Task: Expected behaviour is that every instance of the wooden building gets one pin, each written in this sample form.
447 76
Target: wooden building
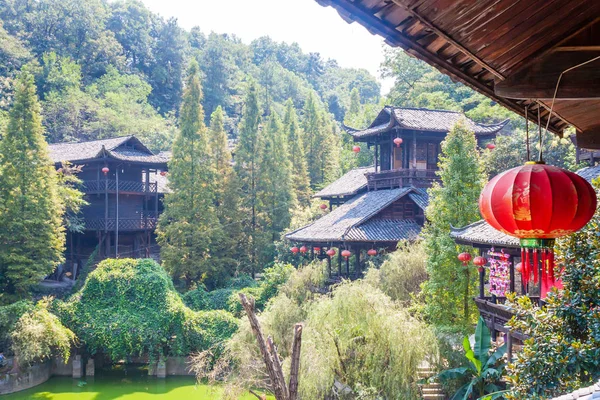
123 182
376 207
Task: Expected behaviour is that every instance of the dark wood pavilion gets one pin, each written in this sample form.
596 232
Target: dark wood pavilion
124 202
376 207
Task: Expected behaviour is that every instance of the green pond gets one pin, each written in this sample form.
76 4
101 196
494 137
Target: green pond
124 384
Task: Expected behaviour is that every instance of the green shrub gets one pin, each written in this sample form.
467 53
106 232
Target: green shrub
197 299
129 307
9 315
240 282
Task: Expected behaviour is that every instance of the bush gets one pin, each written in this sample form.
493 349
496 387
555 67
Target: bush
39 334
240 282
9 315
401 273
129 307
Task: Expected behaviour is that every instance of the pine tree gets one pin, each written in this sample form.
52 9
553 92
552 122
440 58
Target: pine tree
314 140
189 223
300 179
452 203
246 168
217 140
32 237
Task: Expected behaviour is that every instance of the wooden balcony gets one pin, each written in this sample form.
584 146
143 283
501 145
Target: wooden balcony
110 186
398 178
139 223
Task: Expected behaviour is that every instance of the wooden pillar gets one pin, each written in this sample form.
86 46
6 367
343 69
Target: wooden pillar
357 259
376 152
512 275
329 265
347 266
339 261
481 282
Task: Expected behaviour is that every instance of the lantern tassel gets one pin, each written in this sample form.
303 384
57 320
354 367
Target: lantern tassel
526 269
535 266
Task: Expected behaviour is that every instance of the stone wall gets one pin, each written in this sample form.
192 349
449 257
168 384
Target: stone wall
11 382
178 366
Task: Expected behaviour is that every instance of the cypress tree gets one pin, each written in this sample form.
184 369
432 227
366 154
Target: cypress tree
188 225
32 237
246 168
454 202
314 140
300 179
217 140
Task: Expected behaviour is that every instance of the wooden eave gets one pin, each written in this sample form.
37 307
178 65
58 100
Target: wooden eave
484 42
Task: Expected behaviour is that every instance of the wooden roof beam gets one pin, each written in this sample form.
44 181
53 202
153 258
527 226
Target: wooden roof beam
539 79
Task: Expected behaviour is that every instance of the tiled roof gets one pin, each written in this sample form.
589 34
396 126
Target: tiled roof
75 152
420 197
588 393
384 230
350 183
481 232
336 225
422 119
589 173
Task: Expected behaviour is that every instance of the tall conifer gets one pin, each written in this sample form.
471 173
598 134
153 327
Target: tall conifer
188 225
454 202
300 179
246 168
31 234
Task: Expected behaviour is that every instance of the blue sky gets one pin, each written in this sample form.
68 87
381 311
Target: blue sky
315 28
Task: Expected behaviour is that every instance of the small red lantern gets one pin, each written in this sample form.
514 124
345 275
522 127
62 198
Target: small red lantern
398 141
464 257
163 173
538 203
303 249
323 206
346 254
105 170
490 146
356 149
372 252
317 249
519 267
331 252
479 261
294 250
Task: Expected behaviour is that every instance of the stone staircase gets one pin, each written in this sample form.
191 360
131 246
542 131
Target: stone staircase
429 391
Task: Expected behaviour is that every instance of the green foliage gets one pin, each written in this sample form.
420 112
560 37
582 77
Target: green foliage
563 350
189 224
39 334
483 371
31 235
402 272
68 187
450 285
129 307
294 137
9 315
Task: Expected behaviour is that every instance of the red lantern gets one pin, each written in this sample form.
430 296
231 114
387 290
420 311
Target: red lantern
464 257
346 254
479 261
538 203
323 206
356 149
105 170
163 173
294 250
317 249
491 146
331 252
519 267
372 252
303 249
398 141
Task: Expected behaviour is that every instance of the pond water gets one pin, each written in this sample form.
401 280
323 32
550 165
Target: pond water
122 384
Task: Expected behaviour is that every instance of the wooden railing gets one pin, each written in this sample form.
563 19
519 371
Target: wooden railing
400 178
110 185
141 222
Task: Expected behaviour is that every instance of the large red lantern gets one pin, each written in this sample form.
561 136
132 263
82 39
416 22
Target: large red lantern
491 146
398 141
346 254
303 249
464 258
372 252
331 252
479 261
538 203
294 250
356 149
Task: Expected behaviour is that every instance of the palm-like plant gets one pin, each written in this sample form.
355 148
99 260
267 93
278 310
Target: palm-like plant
484 370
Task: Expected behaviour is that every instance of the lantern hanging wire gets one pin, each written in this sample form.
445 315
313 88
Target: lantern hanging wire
527 133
